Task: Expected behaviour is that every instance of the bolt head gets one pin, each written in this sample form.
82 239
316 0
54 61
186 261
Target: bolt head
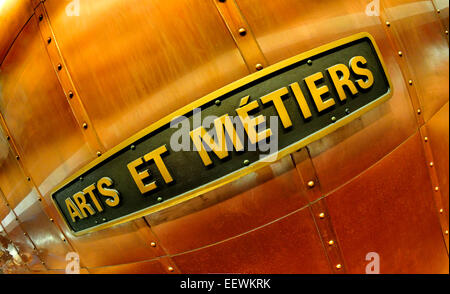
425 139
388 24
259 66
338 266
41 17
419 111
153 244
333 119
436 188
85 125
99 153
311 184
170 269
322 215
400 53
246 162
431 163
217 102
159 199
331 242
70 94
242 31
441 210
309 62
410 82
49 40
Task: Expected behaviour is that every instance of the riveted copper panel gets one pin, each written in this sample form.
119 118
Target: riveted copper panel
23 199
389 209
442 5
437 128
283 28
37 115
51 243
270 249
237 207
126 243
21 242
13 16
124 65
416 22
13 183
144 267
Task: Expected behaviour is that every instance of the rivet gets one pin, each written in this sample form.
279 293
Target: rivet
419 111
24 234
153 244
99 153
436 188
246 162
170 269
438 11
410 82
217 102
7 204
17 157
347 111
331 242
333 119
446 32
446 232
85 125
425 139
311 184
132 147
242 31
70 94
49 40
431 163
8 138
63 239
59 66
441 210
81 178
28 179
400 53
52 220
322 215
309 62
104 219
259 66
42 262
159 199
338 266
41 17
17 219
388 24
39 199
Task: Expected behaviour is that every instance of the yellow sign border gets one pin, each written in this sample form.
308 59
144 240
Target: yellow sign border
245 170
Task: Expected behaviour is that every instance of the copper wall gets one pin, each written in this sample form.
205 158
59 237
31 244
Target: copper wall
74 86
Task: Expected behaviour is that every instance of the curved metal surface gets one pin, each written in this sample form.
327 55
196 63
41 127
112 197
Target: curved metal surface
133 62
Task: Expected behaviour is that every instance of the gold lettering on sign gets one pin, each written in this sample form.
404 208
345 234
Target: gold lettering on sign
362 72
139 177
317 93
222 124
275 97
114 194
250 124
339 83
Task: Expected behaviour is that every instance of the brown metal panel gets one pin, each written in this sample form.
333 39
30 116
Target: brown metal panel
51 243
289 245
37 114
127 56
125 243
389 210
249 202
438 129
283 29
145 267
22 243
416 22
13 16
23 199
442 10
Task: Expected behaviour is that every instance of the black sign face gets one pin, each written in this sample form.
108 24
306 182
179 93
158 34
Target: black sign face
272 112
